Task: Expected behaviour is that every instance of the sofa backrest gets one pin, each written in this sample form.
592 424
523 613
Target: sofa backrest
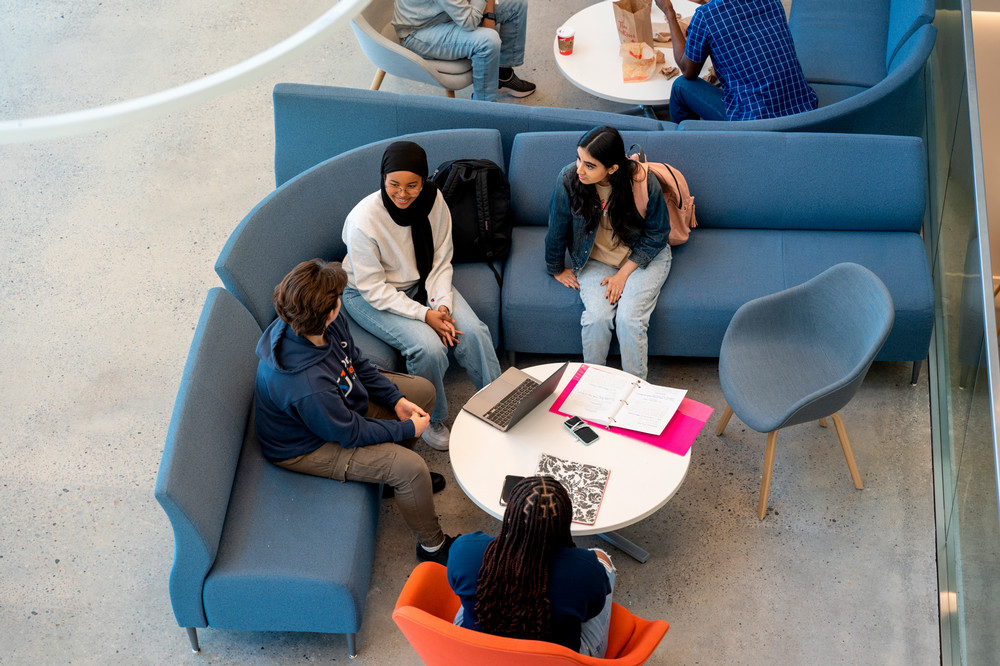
303 218
905 18
841 41
756 180
310 127
203 445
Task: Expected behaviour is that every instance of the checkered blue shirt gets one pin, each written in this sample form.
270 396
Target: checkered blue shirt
751 48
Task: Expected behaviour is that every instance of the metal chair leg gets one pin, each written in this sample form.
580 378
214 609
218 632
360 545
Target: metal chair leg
848 454
765 480
916 373
193 637
727 414
352 647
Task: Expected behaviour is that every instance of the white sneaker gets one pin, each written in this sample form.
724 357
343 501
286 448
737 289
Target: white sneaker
437 436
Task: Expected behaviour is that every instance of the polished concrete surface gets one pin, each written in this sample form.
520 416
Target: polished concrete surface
108 242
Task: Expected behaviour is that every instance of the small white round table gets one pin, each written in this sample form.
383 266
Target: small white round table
643 477
594 65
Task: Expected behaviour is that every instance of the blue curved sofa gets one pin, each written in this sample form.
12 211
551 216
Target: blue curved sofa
865 60
257 547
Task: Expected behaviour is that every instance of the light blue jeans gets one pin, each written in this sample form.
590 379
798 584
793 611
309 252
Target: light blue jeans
629 316
426 356
593 632
694 99
488 49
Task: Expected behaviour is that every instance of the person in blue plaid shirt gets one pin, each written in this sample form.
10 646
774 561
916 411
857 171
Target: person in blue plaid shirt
752 51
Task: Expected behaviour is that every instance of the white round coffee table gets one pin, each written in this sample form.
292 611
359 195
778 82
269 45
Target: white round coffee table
594 65
643 477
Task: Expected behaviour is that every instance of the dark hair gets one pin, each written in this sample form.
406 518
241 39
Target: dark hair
606 146
305 297
513 584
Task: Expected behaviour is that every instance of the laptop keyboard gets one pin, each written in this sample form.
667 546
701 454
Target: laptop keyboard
504 410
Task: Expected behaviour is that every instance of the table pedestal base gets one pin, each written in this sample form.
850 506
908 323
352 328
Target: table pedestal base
625 546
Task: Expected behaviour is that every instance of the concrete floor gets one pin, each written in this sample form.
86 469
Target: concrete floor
108 242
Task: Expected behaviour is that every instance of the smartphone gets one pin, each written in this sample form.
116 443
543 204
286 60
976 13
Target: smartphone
508 486
580 430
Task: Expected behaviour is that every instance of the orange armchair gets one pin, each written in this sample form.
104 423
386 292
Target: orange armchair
426 609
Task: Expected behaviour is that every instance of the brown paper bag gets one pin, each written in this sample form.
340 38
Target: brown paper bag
633 21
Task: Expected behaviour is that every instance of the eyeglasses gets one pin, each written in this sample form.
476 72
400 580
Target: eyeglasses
409 189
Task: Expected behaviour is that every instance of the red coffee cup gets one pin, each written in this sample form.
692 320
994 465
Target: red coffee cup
564 36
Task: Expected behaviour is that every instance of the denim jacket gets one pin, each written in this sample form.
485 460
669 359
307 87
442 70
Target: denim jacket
567 230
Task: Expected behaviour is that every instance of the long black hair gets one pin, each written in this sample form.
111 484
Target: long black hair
606 146
513 584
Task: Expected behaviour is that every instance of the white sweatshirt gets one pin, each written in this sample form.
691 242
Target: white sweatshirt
380 262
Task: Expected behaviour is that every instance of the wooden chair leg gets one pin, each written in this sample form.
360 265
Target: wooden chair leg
822 422
377 81
846 445
727 414
450 93
765 480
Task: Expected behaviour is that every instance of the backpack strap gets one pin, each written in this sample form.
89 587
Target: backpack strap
485 219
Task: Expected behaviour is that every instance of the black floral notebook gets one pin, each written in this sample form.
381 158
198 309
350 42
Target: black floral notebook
584 483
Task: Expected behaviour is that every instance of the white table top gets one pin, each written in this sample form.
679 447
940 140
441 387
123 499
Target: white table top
643 477
594 65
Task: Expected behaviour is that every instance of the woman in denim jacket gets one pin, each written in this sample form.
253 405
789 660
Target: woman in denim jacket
620 260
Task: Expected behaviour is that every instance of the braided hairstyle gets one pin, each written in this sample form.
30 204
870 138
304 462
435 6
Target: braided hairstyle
513 584
606 146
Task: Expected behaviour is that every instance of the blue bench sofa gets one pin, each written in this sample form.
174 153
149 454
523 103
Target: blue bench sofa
257 547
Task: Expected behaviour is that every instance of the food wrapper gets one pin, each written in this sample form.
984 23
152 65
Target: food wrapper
638 61
663 36
670 72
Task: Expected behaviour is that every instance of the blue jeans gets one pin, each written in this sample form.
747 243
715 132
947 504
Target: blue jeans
691 100
488 49
426 356
629 316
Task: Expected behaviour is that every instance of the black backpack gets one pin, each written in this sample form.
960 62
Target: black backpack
478 194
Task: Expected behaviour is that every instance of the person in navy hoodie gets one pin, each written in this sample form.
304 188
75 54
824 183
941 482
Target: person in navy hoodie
323 408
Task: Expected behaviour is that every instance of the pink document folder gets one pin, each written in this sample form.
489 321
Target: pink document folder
677 437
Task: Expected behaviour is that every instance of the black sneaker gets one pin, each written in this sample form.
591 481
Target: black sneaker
437 485
516 87
440 555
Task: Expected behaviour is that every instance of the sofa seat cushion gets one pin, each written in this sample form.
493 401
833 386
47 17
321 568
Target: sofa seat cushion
480 289
711 276
296 551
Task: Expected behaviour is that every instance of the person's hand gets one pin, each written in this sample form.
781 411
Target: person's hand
420 423
405 409
666 6
444 325
614 286
567 279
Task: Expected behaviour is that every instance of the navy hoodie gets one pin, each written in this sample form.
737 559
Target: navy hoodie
308 395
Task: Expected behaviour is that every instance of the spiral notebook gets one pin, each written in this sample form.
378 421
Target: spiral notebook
616 399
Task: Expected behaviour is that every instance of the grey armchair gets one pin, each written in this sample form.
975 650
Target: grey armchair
374 31
801 354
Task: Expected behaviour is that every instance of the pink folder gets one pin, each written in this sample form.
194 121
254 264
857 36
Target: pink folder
677 437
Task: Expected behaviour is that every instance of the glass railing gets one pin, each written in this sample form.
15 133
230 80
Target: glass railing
964 360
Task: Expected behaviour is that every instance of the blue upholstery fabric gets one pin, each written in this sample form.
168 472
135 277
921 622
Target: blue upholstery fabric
296 553
892 105
773 210
203 445
841 42
905 18
801 354
309 127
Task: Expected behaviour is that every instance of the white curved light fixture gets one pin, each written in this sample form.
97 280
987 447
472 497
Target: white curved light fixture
172 99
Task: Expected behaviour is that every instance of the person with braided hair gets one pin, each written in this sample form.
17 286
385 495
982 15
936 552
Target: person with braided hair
532 582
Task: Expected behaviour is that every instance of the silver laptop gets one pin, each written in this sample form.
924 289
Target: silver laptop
511 396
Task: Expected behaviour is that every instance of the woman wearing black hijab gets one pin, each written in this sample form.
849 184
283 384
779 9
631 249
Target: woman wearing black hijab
399 280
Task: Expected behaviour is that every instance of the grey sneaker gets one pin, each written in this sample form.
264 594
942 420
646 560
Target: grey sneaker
436 436
516 87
